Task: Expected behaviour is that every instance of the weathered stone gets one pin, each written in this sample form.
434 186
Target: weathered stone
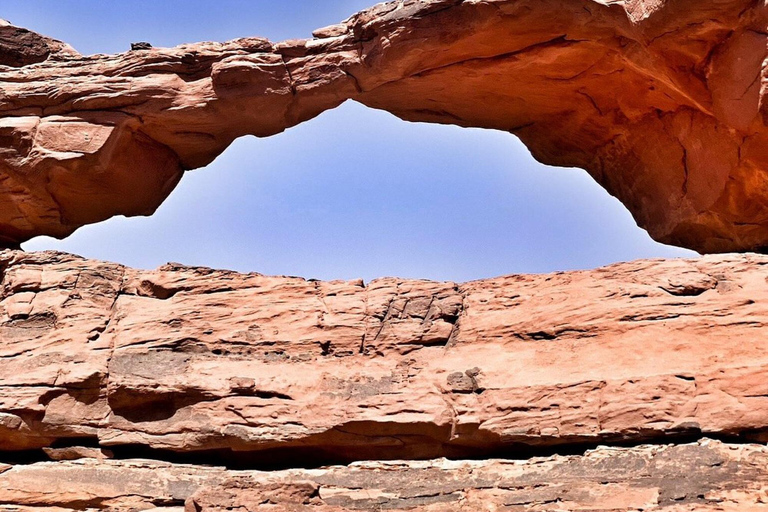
662 102
706 476
77 452
20 47
141 46
235 366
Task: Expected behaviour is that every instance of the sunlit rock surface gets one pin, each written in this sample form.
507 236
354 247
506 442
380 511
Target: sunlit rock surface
196 366
662 102
639 386
197 360
707 476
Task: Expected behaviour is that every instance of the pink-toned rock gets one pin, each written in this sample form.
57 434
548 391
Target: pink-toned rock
244 367
703 477
77 452
662 102
20 47
189 368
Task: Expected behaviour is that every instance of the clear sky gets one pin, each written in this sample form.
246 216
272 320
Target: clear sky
353 193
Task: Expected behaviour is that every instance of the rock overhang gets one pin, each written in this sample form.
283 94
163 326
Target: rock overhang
661 102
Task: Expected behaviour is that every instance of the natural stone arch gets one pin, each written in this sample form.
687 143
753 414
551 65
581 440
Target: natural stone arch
660 103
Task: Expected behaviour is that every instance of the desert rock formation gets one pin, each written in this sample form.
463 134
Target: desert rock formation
193 366
707 476
640 386
662 102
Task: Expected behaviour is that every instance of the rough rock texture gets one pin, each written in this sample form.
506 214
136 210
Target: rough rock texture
661 101
276 378
196 389
276 371
706 476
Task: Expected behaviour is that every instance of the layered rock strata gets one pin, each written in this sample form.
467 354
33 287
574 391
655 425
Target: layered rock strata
266 371
662 102
703 477
196 389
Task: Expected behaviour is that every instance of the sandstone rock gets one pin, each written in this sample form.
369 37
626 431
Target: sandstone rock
197 389
77 452
194 362
705 476
662 102
20 47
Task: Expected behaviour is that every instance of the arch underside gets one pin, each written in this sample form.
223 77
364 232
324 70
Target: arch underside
660 103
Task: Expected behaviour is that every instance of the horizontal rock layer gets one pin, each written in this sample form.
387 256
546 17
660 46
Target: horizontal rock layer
707 476
193 364
662 102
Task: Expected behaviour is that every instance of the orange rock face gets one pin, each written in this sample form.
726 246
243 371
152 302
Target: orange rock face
196 360
197 366
192 389
707 476
662 102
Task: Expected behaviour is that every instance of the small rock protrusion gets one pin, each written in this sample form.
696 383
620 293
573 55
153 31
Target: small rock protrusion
242 384
473 372
141 45
77 453
465 382
690 285
331 31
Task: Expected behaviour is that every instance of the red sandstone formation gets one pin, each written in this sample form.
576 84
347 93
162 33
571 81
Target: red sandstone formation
193 365
662 102
189 359
704 477
202 390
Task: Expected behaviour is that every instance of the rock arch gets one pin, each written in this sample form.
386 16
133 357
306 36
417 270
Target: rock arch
660 103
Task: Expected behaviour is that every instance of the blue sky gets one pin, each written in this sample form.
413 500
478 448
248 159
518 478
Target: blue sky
353 193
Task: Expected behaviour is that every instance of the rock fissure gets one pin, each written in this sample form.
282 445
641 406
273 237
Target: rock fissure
289 458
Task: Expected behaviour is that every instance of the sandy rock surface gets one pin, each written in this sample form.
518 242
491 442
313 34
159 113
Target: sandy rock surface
240 391
661 101
707 476
195 360
640 386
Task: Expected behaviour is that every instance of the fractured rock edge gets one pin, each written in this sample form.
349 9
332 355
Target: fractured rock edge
260 372
662 103
704 476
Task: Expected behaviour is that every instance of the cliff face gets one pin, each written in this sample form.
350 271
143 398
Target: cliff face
189 359
639 386
192 366
662 102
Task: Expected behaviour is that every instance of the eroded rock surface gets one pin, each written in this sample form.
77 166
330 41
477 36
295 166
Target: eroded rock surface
662 102
706 476
242 367
195 370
